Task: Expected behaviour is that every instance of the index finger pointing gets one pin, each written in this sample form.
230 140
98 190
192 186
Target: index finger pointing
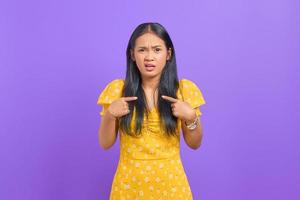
129 98
171 99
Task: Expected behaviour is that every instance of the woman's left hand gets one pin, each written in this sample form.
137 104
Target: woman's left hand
181 109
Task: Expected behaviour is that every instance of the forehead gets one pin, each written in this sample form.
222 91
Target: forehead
149 39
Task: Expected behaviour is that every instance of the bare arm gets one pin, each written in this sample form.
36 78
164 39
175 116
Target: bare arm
108 130
192 138
185 112
109 127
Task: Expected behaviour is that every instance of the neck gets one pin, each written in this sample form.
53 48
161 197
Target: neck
150 83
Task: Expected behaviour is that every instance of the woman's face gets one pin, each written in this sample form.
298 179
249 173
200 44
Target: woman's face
150 54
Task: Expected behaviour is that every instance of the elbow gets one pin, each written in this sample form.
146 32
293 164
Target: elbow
103 142
105 146
195 146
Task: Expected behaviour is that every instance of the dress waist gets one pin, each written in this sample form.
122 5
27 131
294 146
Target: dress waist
143 156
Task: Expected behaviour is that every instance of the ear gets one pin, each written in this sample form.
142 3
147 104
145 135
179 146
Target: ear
132 55
169 54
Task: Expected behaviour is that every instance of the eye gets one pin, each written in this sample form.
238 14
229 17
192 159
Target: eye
141 50
157 49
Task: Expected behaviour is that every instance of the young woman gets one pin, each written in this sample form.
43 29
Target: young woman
150 107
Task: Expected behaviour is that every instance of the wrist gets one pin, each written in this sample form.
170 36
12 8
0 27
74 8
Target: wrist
192 125
192 121
191 118
111 115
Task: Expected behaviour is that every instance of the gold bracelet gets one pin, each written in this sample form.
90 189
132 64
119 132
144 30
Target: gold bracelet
192 125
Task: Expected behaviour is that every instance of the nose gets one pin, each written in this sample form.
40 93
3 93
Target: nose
149 56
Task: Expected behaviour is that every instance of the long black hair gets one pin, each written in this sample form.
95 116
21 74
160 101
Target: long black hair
168 84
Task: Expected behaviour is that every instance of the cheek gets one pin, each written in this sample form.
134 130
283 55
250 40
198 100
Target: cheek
139 58
162 56
140 65
162 59
139 62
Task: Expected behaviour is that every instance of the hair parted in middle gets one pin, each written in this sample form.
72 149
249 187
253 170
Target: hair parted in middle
168 84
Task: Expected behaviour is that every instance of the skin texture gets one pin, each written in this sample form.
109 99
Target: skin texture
149 49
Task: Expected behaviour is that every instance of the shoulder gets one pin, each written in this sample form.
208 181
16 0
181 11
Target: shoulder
186 83
112 91
116 83
190 92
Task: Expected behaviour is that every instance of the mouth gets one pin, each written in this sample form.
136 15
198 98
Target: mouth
149 67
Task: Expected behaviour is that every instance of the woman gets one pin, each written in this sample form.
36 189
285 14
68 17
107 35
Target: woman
149 107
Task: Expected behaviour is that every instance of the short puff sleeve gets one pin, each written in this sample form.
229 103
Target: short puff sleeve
192 94
111 92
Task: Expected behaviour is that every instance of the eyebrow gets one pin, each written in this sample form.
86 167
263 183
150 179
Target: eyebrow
155 46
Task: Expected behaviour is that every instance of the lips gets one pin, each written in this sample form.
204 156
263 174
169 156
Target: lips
149 67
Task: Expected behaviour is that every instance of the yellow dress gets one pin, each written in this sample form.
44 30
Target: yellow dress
150 166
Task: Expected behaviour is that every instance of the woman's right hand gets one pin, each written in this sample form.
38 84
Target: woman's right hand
119 107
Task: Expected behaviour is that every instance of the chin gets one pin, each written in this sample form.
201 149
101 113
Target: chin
148 75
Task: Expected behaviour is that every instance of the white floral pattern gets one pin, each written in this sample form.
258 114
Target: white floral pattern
150 166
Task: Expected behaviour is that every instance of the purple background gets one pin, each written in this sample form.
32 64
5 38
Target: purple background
57 56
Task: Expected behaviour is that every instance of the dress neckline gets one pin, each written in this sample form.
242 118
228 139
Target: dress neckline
153 109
